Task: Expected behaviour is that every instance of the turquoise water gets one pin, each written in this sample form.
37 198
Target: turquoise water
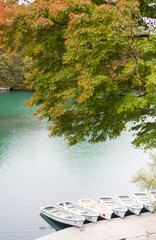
36 170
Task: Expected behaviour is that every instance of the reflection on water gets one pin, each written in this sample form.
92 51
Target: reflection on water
55 225
36 171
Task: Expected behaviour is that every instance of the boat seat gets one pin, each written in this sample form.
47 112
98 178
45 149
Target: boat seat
89 203
73 209
57 213
116 206
145 201
110 204
54 211
127 202
68 216
83 212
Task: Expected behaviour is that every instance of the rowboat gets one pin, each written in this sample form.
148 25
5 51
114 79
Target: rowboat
87 213
102 210
153 195
117 208
146 200
63 216
131 203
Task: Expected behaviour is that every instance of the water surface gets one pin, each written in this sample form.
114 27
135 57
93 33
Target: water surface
36 170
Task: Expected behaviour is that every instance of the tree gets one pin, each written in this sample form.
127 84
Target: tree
145 178
94 67
12 68
148 8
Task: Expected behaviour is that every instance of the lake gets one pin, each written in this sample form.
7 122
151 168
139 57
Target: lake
36 170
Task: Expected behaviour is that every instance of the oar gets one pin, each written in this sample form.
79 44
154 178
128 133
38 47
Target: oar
85 207
65 206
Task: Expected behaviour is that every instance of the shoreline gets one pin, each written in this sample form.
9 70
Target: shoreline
10 89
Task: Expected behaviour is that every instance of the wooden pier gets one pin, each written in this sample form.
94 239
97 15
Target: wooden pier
142 227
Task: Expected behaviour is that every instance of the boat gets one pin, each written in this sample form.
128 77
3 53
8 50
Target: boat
146 200
153 195
131 203
116 206
102 210
87 213
63 216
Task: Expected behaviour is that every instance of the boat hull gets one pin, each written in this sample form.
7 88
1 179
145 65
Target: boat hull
106 215
149 207
76 223
119 213
90 218
153 196
134 210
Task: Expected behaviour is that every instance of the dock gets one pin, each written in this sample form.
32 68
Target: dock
142 227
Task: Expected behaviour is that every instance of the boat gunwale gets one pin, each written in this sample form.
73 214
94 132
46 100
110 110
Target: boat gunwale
70 219
87 214
142 193
115 200
132 205
153 196
108 210
148 204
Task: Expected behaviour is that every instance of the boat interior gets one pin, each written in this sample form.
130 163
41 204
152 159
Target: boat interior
57 212
144 198
74 207
110 202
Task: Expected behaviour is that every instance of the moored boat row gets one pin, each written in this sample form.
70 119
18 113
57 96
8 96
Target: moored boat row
87 209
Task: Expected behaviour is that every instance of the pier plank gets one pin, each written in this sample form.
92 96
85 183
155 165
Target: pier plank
142 227
82 234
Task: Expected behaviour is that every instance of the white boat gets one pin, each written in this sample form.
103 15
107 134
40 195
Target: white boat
63 216
131 203
146 200
103 211
153 195
87 213
116 206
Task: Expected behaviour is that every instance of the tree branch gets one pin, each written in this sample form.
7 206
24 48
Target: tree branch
147 109
137 63
141 36
62 24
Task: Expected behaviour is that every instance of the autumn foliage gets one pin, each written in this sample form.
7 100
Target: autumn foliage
94 67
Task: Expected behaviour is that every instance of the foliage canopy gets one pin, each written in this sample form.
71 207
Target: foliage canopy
94 65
